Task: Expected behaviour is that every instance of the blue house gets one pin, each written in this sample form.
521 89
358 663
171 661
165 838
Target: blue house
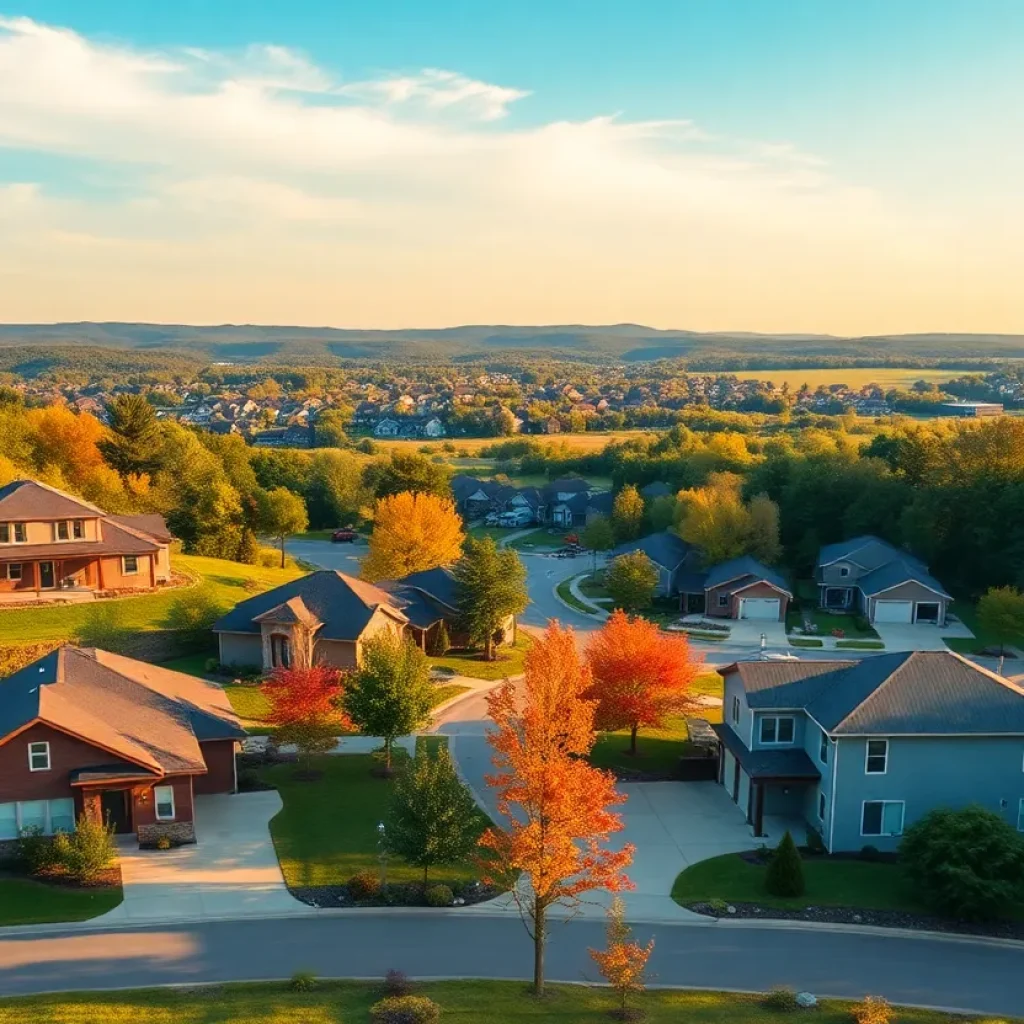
861 749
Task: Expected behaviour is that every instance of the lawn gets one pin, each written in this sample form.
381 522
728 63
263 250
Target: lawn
225 580
826 622
496 533
967 613
539 540
467 1002
471 663
887 377
658 750
805 641
565 593
24 901
327 830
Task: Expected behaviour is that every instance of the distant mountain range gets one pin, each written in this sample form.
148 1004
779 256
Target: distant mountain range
618 342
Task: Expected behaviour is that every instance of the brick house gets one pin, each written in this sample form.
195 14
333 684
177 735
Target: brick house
84 731
52 543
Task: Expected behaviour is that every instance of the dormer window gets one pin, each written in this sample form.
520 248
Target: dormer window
844 570
12 533
69 529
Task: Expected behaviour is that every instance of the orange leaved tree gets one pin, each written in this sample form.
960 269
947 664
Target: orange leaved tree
623 964
304 708
557 807
641 674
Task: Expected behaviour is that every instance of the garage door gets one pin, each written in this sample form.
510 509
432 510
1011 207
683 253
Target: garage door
894 611
760 608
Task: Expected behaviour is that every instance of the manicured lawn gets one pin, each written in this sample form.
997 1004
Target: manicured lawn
496 533
251 707
967 613
538 540
465 1002
571 599
327 829
191 664
826 622
24 901
443 693
593 586
860 645
225 580
471 663
803 641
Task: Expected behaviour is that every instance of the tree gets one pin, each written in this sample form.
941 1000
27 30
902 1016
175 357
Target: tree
133 446
556 808
412 532
329 429
248 548
631 580
714 518
785 875
641 674
966 863
433 819
661 513
335 493
505 423
763 529
598 535
304 703
439 642
628 513
1001 614
407 471
390 694
281 513
490 585
623 962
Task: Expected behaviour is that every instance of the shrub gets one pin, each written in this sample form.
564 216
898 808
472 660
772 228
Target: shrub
163 842
781 999
364 885
439 641
870 853
212 666
872 1010
302 981
785 875
405 1010
966 863
35 851
87 851
815 844
397 983
440 896
718 906
192 614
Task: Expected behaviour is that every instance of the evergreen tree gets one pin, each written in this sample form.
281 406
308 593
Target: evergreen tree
785 876
490 585
440 642
248 548
133 446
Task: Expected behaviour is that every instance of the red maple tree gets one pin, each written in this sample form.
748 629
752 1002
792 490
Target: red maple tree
305 707
641 674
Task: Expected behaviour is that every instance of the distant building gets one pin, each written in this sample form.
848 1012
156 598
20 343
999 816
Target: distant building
971 410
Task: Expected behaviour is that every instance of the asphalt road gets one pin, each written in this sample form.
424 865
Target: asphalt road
920 971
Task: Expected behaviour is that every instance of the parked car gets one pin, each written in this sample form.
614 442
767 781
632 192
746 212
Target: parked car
492 519
346 535
518 517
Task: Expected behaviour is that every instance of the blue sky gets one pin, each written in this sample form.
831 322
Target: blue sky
869 153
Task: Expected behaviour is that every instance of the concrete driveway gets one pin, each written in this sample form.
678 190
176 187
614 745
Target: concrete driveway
231 872
901 636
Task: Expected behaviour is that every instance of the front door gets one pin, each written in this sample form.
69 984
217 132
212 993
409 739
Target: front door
117 809
46 576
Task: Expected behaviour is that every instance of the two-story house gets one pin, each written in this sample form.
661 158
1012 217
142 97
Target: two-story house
861 750
52 543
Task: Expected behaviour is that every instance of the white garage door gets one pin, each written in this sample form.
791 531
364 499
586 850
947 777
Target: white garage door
760 608
894 611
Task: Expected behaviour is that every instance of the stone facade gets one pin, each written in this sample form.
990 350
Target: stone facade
179 832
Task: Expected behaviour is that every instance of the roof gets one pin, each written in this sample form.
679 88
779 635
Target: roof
151 719
656 489
885 577
342 603
601 503
293 610
664 548
785 763
151 525
439 583
744 571
934 693
30 499
115 539
867 551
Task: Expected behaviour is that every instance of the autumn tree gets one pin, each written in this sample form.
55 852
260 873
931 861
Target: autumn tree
628 513
133 446
623 961
641 674
714 518
557 809
631 580
1001 615
304 708
399 472
490 585
281 513
763 529
412 532
390 694
598 535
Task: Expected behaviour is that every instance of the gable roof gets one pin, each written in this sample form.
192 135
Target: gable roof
30 499
438 583
867 551
921 693
885 577
744 571
663 548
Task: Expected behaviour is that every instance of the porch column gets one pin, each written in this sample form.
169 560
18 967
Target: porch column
152 571
758 809
36 583
99 574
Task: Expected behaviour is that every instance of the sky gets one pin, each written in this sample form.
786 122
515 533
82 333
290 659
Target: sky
759 165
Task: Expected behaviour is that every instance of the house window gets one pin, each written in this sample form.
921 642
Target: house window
280 651
49 816
777 730
882 818
821 805
62 815
78 529
876 761
1020 817
12 533
844 570
735 710
63 530
32 815
14 571
163 800
723 600
39 757
130 565
8 821
823 748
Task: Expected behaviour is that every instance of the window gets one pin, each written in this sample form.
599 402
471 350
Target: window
62 815
821 806
14 571
777 730
882 818
163 798
78 529
63 531
723 600
844 570
735 710
32 815
39 757
19 533
280 651
130 565
823 748
1020 818
12 532
876 761
49 816
8 821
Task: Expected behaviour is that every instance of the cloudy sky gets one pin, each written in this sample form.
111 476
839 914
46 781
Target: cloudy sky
763 165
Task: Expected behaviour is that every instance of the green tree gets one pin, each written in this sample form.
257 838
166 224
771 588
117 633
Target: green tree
598 535
631 580
439 642
490 585
763 529
432 819
133 446
661 513
390 694
1001 614
628 513
785 875
335 492
407 471
248 548
329 429
281 513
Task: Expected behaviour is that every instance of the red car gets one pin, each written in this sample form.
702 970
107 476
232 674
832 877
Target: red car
346 535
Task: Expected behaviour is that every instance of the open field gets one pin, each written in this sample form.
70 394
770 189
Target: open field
589 442
884 376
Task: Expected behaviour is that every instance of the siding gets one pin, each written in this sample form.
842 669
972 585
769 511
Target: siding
830 574
800 729
242 649
219 756
733 688
66 754
145 813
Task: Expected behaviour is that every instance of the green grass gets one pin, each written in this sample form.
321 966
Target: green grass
311 535
225 580
803 641
826 622
509 661
465 1002
538 540
443 693
860 645
593 586
496 533
704 635
887 377
327 829
191 664
24 901
251 707
967 613
571 599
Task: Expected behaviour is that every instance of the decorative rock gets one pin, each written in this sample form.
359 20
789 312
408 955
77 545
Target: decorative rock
806 1001
857 919
731 909
459 901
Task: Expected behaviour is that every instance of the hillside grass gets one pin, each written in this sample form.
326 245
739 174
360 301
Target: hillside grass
886 377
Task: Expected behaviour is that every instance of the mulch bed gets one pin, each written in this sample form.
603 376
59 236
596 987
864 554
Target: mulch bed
397 894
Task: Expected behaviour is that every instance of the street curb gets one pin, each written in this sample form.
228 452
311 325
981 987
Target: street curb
565 604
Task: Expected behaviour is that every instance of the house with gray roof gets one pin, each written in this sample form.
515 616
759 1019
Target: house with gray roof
860 750
744 588
673 557
881 582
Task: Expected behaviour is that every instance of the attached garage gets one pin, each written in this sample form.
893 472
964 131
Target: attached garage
767 608
894 611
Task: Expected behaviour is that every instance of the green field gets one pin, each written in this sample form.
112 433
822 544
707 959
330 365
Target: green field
886 377
24 901
589 442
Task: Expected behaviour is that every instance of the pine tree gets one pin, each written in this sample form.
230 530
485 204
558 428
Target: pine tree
134 442
490 586
248 548
785 875
440 642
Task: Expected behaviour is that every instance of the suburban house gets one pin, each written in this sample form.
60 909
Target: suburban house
881 582
53 544
566 501
859 750
743 588
84 731
326 617
675 559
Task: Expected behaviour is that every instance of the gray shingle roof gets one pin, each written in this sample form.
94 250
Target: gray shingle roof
767 764
748 569
663 548
439 583
657 489
885 577
867 551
